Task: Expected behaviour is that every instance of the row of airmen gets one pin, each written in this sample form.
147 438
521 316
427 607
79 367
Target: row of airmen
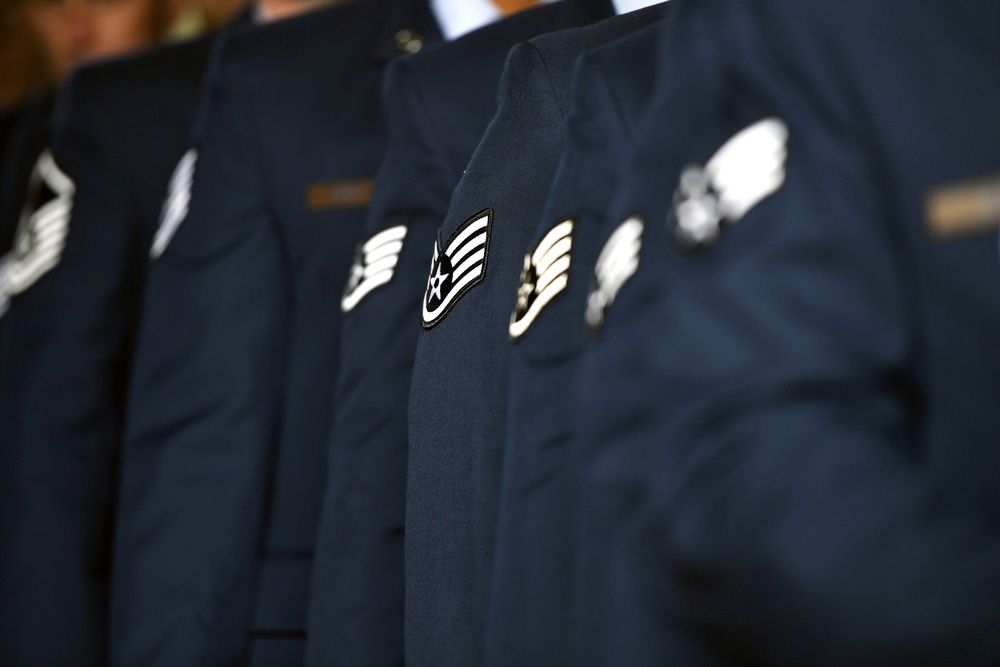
703 370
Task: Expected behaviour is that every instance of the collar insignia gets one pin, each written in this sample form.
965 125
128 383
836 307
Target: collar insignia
748 168
456 268
374 265
545 276
175 208
618 261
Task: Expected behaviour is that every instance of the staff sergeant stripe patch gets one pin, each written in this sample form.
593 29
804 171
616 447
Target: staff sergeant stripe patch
457 268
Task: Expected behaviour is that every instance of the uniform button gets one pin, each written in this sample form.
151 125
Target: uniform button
409 41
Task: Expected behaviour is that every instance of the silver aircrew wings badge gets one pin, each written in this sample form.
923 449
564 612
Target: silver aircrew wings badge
374 265
177 203
545 276
41 231
618 261
457 267
748 168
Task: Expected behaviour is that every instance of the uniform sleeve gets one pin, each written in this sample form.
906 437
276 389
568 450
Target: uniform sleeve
546 575
794 519
65 357
203 407
356 613
457 405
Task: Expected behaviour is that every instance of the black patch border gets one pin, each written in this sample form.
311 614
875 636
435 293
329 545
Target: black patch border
488 212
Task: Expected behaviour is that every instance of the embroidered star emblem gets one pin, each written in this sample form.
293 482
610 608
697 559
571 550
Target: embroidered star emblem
528 279
456 267
374 265
357 273
436 281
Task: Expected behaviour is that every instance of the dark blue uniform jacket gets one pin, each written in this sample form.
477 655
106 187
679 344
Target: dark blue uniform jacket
232 392
24 132
438 103
118 130
8 121
458 395
816 402
534 601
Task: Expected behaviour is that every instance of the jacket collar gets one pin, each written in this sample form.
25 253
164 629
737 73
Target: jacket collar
585 12
407 27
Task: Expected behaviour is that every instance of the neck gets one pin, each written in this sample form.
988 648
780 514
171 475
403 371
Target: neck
275 10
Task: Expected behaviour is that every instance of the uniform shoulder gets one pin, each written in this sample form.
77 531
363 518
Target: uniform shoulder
28 113
115 102
624 51
558 51
157 66
465 73
628 66
265 41
568 44
361 23
485 45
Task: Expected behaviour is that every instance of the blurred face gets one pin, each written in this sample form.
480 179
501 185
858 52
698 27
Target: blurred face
275 10
74 31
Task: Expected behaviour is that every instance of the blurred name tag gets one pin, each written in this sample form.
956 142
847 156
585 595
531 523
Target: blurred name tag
963 209
356 193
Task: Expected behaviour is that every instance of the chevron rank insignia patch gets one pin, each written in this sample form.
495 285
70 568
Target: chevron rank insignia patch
175 207
618 261
544 277
42 230
457 267
374 265
748 168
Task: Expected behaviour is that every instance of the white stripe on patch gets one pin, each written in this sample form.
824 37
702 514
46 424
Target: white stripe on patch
41 233
374 265
458 268
177 204
545 275
618 261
